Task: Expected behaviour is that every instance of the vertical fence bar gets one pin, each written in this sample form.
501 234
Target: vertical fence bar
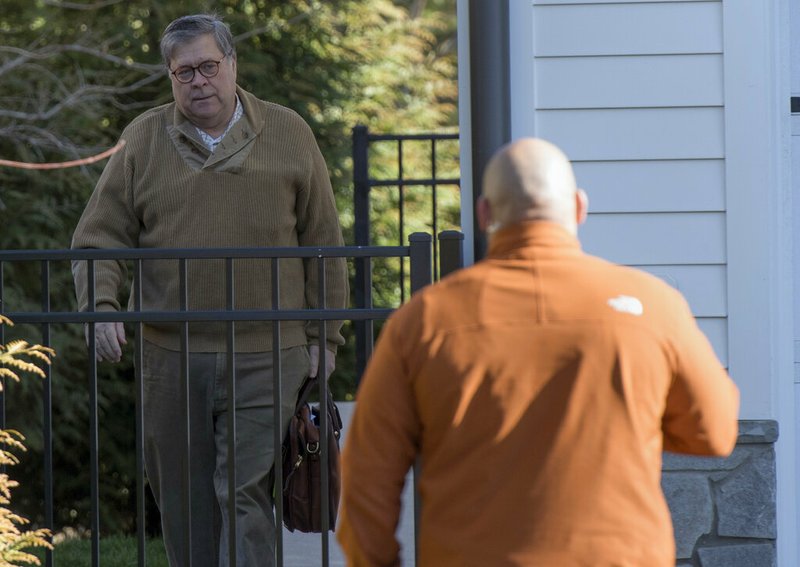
141 510
47 416
434 210
361 185
277 439
401 206
231 362
323 414
362 285
94 458
420 259
185 407
369 324
451 252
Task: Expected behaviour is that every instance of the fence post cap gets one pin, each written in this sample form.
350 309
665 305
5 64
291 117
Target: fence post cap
420 237
451 235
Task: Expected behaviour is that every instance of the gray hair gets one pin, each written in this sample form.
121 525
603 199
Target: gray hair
188 28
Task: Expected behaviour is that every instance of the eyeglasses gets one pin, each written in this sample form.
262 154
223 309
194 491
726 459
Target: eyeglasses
208 69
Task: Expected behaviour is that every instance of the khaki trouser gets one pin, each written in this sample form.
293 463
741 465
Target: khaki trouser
165 448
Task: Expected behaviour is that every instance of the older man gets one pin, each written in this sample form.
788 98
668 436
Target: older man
539 388
215 168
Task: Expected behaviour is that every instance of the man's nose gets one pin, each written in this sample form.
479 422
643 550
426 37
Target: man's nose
199 79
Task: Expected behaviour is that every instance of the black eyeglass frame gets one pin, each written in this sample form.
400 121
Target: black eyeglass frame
195 69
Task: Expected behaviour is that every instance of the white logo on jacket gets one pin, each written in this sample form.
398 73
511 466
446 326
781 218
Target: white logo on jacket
626 304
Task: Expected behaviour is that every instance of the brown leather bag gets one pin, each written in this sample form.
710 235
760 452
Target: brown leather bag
302 464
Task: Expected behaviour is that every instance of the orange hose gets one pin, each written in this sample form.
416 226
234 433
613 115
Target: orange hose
64 164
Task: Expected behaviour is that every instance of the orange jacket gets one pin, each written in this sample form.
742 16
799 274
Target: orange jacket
539 387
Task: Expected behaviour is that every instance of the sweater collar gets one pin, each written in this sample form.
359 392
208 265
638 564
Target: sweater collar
232 150
251 110
514 239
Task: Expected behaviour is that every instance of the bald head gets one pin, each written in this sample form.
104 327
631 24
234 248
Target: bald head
531 179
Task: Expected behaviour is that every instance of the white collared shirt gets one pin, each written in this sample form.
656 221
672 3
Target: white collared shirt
210 141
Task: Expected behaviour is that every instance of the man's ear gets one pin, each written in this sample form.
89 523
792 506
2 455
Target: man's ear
581 206
484 210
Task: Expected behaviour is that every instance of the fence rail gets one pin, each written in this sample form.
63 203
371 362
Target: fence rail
420 258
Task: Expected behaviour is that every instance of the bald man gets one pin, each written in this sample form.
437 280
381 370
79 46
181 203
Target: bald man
539 389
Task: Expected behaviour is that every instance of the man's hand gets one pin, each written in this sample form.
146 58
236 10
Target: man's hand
330 361
109 338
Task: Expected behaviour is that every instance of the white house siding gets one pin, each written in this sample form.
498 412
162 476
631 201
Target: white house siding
633 92
795 127
795 131
675 115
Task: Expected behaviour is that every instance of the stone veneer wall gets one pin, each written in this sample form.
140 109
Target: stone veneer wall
724 510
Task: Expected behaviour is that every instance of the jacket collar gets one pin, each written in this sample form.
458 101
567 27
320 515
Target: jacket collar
522 237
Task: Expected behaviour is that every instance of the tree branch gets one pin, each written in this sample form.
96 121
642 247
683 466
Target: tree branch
271 26
48 51
80 95
79 6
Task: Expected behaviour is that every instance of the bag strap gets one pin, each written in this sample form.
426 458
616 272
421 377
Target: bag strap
305 392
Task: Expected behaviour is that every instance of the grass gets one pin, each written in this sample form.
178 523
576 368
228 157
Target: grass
115 551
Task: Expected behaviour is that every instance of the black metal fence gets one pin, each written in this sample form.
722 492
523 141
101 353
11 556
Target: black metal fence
414 161
418 252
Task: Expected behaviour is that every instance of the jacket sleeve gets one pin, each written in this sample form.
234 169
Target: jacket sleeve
318 225
379 450
108 221
701 414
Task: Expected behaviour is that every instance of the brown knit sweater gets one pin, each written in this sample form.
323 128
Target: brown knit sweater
265 185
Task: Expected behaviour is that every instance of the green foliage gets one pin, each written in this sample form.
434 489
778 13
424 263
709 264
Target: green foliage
346 62
420 160
115 551
73 78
